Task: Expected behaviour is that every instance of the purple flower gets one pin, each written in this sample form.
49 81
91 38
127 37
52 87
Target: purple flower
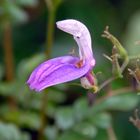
67 68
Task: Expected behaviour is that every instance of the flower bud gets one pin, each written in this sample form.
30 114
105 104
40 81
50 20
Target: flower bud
89 81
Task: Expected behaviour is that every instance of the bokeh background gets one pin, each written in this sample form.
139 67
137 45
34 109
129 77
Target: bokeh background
28 36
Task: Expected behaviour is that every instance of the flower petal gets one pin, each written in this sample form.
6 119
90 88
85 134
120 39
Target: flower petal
81 35
56 71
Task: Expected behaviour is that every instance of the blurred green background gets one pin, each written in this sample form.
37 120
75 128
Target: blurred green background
65 111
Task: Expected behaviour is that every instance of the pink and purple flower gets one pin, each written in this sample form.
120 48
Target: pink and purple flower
67 68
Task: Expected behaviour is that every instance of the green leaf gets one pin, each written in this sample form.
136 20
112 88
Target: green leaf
86 129
56 96
133 34
81 109
8 88
71 135
101 135
51 132
28 99
17 14
65 118
123 102
51 109
101 120
11 132
13 13
26 66
22 118
27 2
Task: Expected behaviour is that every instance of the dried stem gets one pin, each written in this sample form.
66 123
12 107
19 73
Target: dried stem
136 119
133 73
8 52
9 59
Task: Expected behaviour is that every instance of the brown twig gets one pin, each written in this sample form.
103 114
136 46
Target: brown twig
8 52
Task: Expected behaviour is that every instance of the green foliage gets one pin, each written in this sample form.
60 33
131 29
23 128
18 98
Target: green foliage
101 120
13 12
27 65
26 2
86 129
65 118
20 117
83 122
69 116
51 132
122 102
70 135
11 132
132 35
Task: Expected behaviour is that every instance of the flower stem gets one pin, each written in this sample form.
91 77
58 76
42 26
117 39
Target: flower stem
49 44
107 82
50 32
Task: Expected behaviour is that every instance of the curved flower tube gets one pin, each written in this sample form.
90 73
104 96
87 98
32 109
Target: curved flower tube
67 68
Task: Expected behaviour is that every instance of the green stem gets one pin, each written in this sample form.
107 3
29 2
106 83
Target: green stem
111 133
106 82
50 32
49 44
124 65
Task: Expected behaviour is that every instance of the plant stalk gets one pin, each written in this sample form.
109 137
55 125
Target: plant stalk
8 52
9 59
111 133
49 44
50 33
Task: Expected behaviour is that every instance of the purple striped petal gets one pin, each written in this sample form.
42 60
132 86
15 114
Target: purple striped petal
56 71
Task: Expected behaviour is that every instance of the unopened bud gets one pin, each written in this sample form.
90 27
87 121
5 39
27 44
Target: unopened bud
89 81
86 83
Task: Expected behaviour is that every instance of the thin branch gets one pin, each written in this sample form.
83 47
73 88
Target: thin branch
49 5
111 133
8 52
124 65
131 72
107 82
136 119
114 93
